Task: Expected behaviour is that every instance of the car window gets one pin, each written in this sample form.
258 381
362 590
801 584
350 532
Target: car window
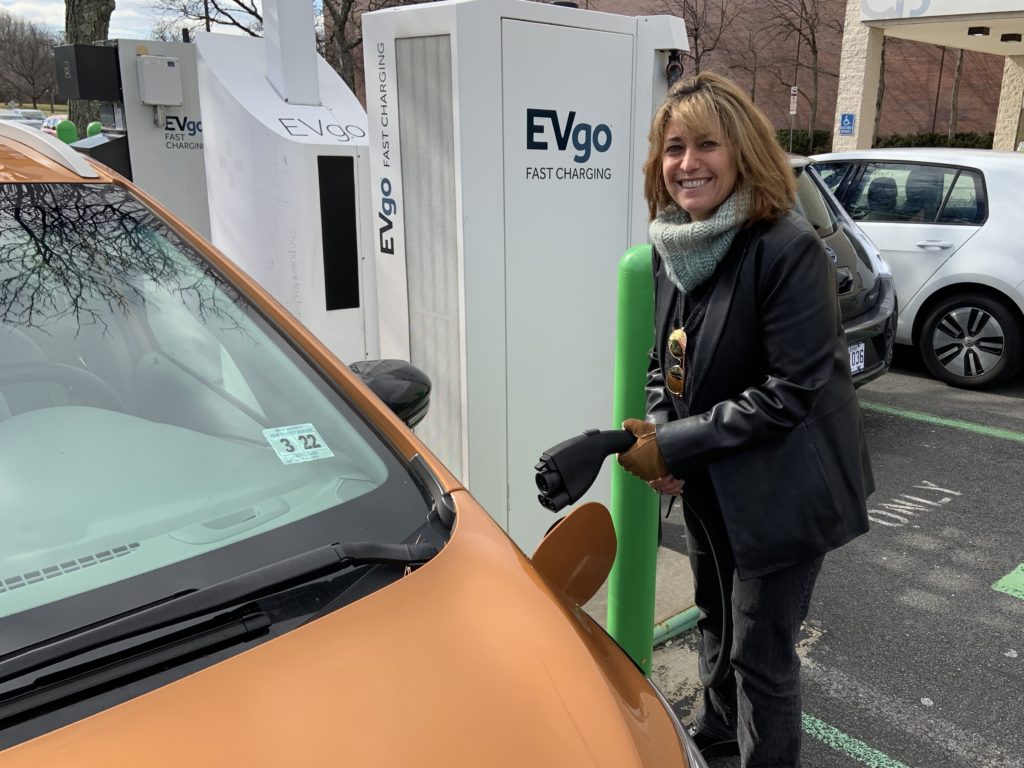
832 173
966 202
812 205
151 418
903 192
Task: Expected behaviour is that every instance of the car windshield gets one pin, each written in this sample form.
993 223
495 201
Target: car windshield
156 433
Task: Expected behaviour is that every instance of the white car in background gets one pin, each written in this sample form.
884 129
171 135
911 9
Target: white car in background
33 118
948 222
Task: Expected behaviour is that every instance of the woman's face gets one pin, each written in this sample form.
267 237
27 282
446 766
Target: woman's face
699 170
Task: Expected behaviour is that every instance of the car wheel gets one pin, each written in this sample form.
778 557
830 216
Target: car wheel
971 341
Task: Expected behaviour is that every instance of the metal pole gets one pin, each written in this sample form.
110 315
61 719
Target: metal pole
634 506
675 625
796 77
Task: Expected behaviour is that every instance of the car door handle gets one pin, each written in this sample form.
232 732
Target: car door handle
936 245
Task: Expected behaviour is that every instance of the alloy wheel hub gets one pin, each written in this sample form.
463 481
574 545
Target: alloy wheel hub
968 342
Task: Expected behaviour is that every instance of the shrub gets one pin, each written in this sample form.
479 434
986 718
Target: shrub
823 140
801 141
970 140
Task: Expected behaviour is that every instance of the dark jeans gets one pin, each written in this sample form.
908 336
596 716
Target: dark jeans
759 699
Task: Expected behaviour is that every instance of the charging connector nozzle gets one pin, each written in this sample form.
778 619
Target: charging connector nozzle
566 471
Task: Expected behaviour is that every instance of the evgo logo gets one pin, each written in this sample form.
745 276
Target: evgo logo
585 138
175 124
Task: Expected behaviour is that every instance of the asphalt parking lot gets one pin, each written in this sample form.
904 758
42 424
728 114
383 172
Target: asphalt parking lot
913 650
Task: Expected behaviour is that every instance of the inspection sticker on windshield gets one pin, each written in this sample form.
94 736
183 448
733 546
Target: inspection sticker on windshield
297 443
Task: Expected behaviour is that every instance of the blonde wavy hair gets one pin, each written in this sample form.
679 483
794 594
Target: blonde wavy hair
708 103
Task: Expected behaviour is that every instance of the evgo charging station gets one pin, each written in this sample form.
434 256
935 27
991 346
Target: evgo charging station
506 145
287 168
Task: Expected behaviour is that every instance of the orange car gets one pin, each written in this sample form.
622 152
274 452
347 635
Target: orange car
221 548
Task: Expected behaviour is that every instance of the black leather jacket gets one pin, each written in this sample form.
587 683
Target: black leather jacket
775 419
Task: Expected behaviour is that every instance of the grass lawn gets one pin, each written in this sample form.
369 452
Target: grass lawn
58 109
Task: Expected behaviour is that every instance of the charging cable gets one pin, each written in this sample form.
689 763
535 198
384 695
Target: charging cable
566 472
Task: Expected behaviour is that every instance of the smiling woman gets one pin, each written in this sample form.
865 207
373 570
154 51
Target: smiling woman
749 378
699 169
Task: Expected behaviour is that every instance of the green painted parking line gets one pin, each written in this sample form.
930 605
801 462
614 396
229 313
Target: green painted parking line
840 742
928 418
1012 583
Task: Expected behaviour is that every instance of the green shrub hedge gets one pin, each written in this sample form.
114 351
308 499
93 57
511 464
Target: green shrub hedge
968 140
801 141
823 140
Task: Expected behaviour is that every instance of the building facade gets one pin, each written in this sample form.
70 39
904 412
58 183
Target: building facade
988 26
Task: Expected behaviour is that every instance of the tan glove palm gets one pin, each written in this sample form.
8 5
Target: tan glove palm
644 458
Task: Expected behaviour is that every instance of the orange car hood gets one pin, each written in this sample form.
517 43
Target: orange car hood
469 661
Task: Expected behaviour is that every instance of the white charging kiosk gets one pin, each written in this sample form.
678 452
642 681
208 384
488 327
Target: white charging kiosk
161 111
149 110
507 139
286 150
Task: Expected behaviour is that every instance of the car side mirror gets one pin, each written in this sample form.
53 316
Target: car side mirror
844 280
403 387
577 553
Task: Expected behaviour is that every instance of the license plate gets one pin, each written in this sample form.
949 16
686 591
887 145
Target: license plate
857 357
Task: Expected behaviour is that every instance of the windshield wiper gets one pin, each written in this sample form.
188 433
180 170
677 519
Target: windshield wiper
189 605
69 685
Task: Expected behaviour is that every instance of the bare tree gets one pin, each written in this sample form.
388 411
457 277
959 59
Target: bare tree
938 88
339 38
79 253
242 16
707 25
881 95
343 35
26 58
813 24
955 102
86 21
170 31
750 47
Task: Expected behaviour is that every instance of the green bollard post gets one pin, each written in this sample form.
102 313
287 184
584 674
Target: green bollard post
67 132
634 506
94 128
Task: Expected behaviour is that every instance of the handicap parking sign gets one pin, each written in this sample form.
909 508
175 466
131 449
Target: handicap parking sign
847 120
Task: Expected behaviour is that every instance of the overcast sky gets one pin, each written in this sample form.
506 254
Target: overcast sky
132 19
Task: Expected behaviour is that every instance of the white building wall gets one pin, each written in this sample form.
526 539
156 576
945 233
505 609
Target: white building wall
861 60
859 69
1008 132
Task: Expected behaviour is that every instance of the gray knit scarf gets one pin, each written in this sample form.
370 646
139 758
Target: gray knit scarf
692 250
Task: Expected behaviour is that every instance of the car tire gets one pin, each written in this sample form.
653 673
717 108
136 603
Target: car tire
971 341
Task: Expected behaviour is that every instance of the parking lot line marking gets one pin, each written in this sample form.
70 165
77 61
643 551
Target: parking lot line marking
893 515
918 726
840 742
928 418
1012 583
923 501
927 485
